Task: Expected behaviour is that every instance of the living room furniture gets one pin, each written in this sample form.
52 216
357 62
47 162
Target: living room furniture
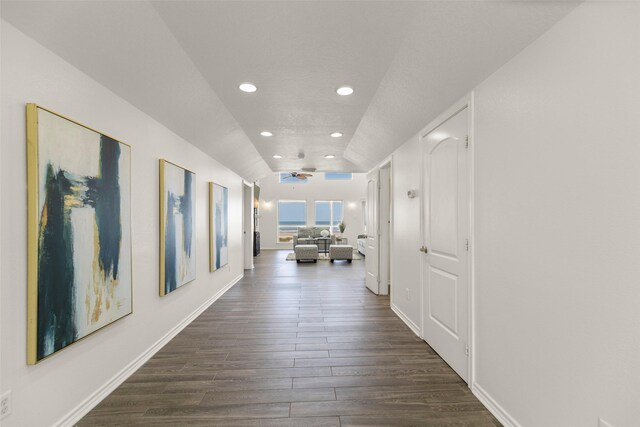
306 253
308 235
361 244
341 252
342 241
323 244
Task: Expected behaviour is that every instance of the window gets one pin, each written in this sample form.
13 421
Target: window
329 213
338 176
291 215
287 178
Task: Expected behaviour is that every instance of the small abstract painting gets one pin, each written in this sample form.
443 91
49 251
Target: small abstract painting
218 226
79 234
177 227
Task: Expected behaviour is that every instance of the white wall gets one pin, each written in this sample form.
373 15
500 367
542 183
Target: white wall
557 157
405 232
317 188
44 393
557 219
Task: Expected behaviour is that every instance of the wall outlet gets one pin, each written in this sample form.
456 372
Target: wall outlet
603 423
5 405
407 293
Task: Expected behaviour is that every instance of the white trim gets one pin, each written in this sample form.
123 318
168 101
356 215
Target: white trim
472 238
383 163
406 320
94 399
391 219
493 407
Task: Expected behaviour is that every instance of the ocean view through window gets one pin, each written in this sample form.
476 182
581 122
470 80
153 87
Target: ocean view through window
329 212
291 215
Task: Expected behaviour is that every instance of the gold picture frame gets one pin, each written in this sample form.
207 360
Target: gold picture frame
177 216
78 185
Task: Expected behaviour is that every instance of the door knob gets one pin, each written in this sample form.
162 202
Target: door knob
424 249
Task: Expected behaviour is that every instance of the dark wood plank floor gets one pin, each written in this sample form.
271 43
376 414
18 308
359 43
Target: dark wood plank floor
295 345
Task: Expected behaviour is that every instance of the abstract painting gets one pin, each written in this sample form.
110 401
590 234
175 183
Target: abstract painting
218 226
177 227
79 234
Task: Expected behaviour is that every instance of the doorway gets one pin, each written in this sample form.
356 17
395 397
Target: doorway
385 229
247 225
378 225
446 219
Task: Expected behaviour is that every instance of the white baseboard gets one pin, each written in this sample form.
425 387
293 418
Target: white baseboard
406 320
493 407
92 401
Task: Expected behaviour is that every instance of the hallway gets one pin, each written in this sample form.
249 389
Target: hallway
295 345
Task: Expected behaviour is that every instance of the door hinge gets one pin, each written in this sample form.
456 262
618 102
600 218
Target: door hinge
466 141
466 244
466 350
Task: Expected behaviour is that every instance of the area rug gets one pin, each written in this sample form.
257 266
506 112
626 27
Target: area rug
324 257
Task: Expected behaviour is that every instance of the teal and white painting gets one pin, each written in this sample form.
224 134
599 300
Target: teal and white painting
219 226
80 231
177 227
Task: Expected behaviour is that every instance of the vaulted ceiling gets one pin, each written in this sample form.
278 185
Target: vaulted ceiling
181 62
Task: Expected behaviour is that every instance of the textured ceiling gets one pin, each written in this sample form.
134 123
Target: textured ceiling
297 54
181 63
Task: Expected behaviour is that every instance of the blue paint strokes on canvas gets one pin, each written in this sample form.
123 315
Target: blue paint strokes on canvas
186 209
56 328
221 226
171 261
105 198
175 262
64 192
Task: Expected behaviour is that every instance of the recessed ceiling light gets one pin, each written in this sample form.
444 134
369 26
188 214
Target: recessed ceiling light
248 87
336 134
329 156
344 90
266 133
277 156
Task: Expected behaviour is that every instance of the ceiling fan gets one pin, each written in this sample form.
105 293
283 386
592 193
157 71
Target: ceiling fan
298 175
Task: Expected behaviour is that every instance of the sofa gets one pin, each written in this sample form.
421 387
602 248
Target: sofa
306 235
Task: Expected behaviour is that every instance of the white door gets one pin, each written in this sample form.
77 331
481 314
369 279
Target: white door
384 227
445 246
371 257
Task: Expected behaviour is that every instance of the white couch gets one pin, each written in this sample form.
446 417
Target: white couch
307 235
